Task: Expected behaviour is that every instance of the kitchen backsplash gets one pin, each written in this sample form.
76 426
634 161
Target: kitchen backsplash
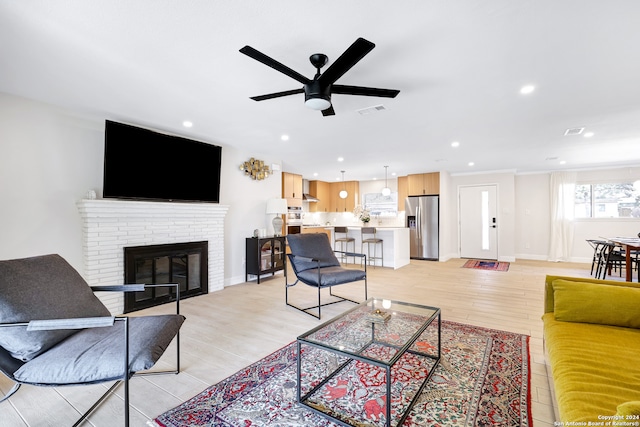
349 219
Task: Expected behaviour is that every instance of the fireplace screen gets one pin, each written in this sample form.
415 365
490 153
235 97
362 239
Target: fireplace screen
182 263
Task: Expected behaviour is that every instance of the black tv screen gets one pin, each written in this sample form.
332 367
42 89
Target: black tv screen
148 165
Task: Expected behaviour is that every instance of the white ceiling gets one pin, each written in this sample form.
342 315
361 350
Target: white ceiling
459 66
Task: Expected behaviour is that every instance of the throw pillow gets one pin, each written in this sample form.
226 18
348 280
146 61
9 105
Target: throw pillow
596 303
629 408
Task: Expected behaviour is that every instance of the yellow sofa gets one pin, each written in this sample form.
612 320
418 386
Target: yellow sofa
592 350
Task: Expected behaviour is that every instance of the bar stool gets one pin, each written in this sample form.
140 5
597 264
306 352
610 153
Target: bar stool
373 240
344 241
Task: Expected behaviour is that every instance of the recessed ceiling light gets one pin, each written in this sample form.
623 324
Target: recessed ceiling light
315 174
284 137
341 159
455 144
187 124
562 162
588 134
527 89
471 163
393 174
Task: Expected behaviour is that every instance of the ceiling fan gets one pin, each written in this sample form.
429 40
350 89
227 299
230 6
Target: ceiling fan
318 91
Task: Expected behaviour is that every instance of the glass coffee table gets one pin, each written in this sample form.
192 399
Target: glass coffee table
369 365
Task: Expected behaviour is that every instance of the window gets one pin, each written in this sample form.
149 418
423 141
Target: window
609 200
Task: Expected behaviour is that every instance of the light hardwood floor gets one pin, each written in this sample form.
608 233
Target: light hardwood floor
232 328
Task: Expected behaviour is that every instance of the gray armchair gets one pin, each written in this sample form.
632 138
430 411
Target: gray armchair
74 340
314 263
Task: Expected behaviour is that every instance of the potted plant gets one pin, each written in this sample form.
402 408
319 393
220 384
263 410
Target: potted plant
362 214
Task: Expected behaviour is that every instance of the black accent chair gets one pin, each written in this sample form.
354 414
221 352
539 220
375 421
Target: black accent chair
611 257
315 264
75 340
598 252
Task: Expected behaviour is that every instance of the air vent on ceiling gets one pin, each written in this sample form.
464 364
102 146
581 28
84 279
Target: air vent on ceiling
573 131
370 110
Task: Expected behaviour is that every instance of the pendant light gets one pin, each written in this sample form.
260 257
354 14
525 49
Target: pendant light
386 191
343 193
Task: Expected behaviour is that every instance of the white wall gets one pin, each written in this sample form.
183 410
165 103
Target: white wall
48 161
50 158
532 216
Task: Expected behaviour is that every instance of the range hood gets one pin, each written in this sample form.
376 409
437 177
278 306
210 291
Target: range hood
309 198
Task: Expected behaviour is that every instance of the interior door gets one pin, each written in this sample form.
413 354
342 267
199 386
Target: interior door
478 222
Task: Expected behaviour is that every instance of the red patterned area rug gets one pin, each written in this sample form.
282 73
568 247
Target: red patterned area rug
483 379
486 265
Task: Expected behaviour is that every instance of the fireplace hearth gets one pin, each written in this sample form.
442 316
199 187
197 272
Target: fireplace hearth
182 263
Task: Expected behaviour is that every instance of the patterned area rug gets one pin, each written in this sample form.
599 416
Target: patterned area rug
486 265
483 379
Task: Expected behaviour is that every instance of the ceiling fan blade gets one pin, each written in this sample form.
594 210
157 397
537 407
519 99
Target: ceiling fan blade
348 59
261 57
277 94
364 91
329 111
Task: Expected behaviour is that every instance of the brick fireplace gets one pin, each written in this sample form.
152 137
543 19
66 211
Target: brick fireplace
108 226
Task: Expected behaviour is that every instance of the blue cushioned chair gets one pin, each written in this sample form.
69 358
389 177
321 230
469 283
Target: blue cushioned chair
75 339
314 263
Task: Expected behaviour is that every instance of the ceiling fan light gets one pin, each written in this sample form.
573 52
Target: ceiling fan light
317 103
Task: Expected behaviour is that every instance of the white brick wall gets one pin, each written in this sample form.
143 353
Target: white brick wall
110 225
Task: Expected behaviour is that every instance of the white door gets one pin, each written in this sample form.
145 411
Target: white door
478 222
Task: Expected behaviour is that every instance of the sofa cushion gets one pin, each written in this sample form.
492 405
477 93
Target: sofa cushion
331 276
96 355
595 367
596 303
42 287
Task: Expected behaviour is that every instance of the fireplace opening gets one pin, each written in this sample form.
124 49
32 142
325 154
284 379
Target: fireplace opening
182 263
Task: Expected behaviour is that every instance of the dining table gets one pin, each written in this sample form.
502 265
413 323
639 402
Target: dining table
629 244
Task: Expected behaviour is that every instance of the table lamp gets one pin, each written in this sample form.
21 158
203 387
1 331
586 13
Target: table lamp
277 207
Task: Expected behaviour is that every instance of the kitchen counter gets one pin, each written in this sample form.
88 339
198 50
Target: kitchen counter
396 244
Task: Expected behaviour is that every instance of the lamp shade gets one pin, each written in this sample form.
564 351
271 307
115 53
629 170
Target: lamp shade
277 206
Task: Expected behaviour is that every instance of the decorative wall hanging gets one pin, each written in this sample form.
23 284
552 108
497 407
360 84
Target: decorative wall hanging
256 169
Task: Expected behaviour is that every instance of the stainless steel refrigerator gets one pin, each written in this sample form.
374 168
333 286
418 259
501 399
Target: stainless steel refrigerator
422 213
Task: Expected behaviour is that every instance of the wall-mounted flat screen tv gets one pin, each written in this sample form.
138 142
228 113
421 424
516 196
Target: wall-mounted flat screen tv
147 165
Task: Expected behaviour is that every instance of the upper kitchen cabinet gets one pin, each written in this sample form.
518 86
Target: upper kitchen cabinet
292 188
402 191
422 184
348 204
322 191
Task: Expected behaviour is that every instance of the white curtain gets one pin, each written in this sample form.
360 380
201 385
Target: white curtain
562 191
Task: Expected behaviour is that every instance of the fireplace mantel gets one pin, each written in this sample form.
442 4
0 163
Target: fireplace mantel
110 225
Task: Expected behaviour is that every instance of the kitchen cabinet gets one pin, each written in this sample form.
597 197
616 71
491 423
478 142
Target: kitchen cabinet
422 184
264 255
322 191
353 197
325 230
292 188
403 191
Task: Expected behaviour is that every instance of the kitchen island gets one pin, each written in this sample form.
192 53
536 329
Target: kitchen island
396 245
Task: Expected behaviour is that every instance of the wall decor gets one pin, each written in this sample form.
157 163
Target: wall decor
256 169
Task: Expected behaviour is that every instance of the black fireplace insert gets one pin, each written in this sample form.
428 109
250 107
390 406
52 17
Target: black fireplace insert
182 263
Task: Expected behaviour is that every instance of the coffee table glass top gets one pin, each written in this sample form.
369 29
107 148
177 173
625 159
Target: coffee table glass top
395 325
